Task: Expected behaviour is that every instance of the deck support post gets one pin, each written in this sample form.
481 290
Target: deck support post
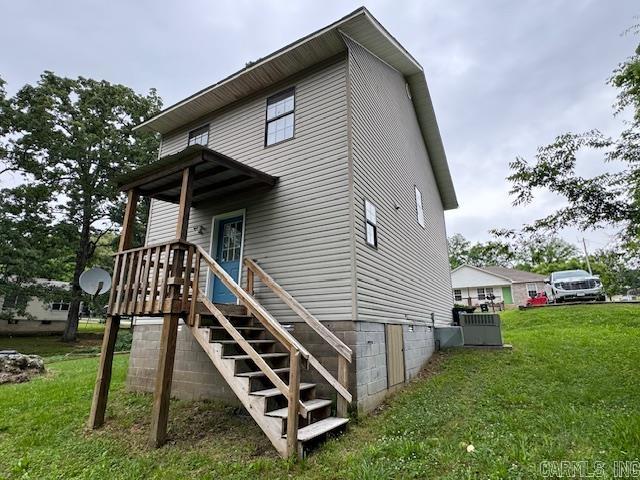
294 400
164 376
103 380
342 406
168 337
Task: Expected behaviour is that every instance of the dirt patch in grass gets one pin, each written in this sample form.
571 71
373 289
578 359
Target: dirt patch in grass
209 426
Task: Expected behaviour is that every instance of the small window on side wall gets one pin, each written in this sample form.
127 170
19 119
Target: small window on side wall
419 209
199 136
280 117
371 224
457 295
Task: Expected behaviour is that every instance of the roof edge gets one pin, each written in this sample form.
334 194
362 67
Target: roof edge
481 270
359 11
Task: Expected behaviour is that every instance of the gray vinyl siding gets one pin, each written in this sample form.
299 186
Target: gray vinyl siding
408 276
299 231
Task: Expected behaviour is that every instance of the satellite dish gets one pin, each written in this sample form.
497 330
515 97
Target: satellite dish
95 281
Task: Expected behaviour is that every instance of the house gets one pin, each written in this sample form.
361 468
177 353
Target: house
471 285
40 317
315 178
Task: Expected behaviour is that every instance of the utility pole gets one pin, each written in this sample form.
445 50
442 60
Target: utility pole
586 255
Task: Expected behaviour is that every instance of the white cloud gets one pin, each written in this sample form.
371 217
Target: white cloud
505 76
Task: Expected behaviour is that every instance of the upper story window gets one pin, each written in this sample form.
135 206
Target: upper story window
199 136
280 117
419 210
371 223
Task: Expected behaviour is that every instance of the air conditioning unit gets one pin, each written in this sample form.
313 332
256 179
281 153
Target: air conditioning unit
481 329
448 336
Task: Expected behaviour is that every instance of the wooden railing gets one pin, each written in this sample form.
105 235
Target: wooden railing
155 279
297 352
343 351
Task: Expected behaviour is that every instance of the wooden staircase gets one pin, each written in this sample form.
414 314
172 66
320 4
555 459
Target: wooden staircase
266 403
261 361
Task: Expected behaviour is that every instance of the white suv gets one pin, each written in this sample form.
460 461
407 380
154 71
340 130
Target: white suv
574 285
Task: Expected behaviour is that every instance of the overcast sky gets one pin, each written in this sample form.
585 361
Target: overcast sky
505 76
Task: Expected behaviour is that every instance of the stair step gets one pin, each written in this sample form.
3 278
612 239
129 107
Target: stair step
318 428
254 342
263 355
260 373
239 328
274 392
310 405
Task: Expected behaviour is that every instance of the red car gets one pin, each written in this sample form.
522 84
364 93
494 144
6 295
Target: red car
539 299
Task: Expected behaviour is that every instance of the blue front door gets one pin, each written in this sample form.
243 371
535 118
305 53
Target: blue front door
228 247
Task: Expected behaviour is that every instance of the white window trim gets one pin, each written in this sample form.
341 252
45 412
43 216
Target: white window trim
419 207
535 288
455 295
268 121
201 127
373 223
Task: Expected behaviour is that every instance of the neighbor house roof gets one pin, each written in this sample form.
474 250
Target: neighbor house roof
510 274
321 45
516 276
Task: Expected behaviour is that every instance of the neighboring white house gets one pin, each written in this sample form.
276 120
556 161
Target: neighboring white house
472 285
41 316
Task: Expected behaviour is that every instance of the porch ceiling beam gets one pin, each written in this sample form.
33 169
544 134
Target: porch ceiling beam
229 182
245 169
242 187
152 177
170 185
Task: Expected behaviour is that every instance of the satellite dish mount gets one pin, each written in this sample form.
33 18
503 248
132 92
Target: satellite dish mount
95 281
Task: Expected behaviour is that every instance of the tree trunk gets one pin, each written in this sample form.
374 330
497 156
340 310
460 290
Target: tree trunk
82 257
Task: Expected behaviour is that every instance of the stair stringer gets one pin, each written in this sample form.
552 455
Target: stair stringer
255 405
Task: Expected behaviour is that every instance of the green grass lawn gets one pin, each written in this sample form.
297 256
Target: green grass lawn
569 390
51 347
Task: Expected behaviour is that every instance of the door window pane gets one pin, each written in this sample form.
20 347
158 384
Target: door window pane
231 241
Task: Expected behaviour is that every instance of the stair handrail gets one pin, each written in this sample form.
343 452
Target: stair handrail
285 389
273 326
338 345
341 348
254 306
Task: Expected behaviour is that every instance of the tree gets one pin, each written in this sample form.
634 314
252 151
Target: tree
534 250
491 253
73 137
30 243
458 250
607 199
614 271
